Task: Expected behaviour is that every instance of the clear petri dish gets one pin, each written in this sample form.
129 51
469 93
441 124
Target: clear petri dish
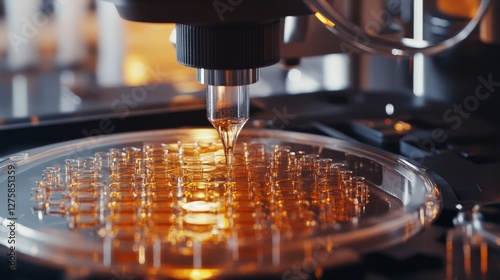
158 204
399 28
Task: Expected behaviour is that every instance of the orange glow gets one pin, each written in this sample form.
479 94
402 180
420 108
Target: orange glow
150 58
186 273
201 206
135 70
324 20
402 126
484 259
35 120
462 8
200 274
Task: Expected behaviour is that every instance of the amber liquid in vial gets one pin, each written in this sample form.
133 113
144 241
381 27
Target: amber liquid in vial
228 130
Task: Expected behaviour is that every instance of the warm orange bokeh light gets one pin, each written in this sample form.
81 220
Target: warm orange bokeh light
460 8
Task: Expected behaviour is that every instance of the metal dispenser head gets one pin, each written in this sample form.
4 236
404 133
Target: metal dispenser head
227 41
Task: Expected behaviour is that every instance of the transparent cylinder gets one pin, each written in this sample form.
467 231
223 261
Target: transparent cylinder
466 250
228 103
228 111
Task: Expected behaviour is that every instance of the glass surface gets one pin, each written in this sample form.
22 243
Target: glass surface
400 28
473 244
158 203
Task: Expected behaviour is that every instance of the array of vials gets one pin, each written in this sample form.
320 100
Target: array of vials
164 201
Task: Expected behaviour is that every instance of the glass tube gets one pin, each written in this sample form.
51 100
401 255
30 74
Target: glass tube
228 111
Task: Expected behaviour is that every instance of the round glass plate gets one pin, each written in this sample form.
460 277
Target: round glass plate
160 204
400 28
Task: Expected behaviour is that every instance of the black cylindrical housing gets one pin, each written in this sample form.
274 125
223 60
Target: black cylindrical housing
228 46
